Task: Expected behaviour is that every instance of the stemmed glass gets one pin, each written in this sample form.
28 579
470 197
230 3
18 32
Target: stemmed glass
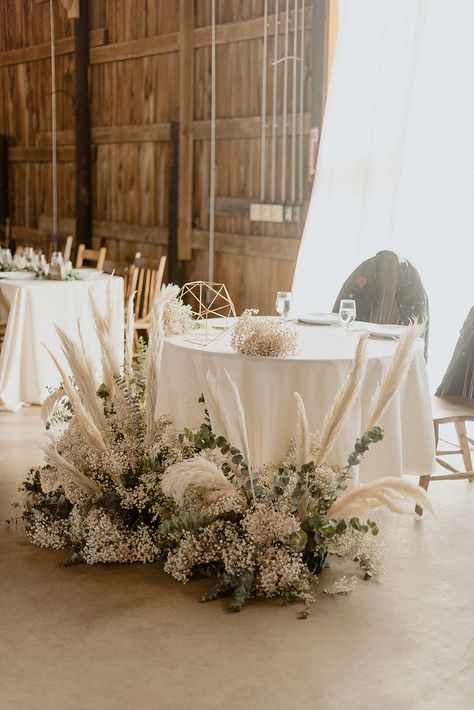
347 312
282 303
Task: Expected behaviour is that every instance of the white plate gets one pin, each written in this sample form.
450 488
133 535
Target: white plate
86 274
384 330
18 275
320 318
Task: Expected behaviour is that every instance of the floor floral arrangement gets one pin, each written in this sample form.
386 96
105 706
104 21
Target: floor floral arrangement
121 484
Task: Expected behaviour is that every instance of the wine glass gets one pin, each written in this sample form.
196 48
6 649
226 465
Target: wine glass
282 303
347 312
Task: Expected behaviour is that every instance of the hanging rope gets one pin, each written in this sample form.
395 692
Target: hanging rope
53 124
263 145
212 187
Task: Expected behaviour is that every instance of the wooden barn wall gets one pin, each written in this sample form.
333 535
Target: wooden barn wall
150 66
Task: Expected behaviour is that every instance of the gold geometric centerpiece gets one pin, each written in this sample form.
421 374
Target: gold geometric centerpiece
212 309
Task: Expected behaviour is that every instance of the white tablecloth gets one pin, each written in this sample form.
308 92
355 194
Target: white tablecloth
316 372
33 308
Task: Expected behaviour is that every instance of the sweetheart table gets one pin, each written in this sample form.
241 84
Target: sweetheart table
323 360
31 310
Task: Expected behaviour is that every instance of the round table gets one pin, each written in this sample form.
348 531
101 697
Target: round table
267 385
31 310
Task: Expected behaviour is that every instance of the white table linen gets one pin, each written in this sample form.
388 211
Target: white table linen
33 308
267 385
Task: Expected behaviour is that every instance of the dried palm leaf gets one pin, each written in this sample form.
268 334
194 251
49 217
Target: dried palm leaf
68 470
196 474
389 492
393 375
345 400
303 454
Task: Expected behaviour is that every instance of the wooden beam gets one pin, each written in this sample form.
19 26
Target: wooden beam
249 245
83 126
186 115
244 30
148 133
239 127
144 47
111 230
43 51
32 154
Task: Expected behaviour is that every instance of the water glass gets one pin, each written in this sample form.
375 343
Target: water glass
5 257
283 303
56 258
347 312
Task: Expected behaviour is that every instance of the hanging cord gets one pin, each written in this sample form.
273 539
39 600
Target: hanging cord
54 148
301 133
293 110
274 103
263 146
285 103
212 187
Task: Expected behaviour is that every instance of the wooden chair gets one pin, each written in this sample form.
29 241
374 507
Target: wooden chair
146 277
123 269
387 289
96 256
454 405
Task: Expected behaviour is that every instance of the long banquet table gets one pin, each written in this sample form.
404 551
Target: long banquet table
33 308
267 385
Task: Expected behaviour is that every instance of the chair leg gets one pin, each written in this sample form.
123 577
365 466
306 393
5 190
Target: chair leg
464 445
424 482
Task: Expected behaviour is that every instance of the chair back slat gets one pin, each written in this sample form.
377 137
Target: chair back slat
95 256
146 277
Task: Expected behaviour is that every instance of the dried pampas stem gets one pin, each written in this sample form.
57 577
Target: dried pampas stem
130 334
345 400
70 471
86 424
83 374
103 323
387 492
47 408
393 375
302 433
241 439
152 367
197 474
217 406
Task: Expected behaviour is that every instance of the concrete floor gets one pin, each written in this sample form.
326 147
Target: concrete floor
130 638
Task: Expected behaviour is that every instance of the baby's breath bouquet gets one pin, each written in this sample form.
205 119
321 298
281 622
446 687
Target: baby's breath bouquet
99 492
121 484
268 531
263 337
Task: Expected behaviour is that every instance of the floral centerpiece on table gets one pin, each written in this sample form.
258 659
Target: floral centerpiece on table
264 337
121 484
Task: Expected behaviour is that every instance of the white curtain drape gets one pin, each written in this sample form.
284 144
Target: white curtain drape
396 160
